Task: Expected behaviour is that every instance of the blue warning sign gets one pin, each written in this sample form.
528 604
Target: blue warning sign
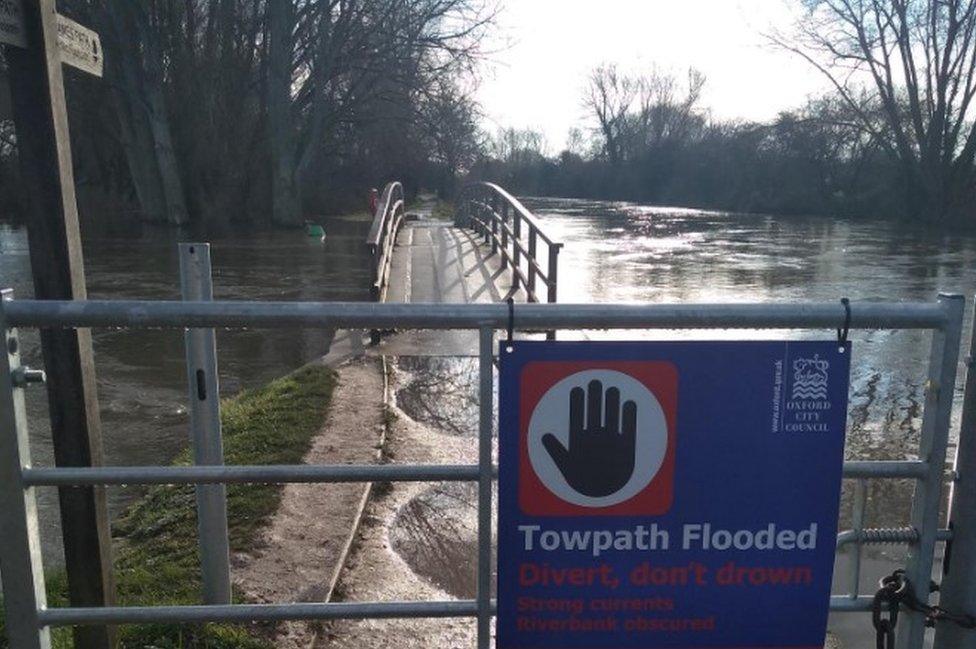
657 494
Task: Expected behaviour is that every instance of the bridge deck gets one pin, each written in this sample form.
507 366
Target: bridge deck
437 262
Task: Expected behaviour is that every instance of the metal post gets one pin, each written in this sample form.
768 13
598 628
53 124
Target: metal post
958 591
57 265
489 215
533 235
504 228
516 252
940 387
494 234
552 275
552 280
857 524
486 409
20 544
205 432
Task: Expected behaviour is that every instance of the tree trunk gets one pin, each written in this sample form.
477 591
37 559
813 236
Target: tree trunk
144 121
286 204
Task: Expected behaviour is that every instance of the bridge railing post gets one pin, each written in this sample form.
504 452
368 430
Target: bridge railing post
489 216
552 280
533 236
486 370
494 233
504 228
516 251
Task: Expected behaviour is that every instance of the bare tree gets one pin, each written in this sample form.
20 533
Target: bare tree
518 146
450 123
348 53
668 111
917 61
609 96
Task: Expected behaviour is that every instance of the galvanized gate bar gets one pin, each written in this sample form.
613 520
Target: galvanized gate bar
308 611
294 473
17 478
939 392
206 439
130 313
24 593
486 387
272 474
258 612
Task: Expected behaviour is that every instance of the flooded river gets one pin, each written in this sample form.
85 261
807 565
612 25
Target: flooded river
141 373
614 252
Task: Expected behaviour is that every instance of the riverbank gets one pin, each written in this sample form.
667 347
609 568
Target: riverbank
156 554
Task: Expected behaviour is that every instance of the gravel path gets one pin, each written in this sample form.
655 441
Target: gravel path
303 549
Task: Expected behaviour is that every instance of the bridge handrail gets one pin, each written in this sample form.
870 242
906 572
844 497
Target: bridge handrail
382 236
523 212
500 217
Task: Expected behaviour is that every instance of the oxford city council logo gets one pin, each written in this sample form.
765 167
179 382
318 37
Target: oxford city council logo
810 378
597 438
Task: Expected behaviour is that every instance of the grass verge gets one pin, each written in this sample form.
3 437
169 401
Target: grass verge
442 211
156 555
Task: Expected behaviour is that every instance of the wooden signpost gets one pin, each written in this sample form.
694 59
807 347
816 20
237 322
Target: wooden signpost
39 41
78 46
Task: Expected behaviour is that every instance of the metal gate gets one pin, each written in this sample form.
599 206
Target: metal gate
29 619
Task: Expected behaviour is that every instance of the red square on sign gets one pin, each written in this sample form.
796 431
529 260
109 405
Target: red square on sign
597 438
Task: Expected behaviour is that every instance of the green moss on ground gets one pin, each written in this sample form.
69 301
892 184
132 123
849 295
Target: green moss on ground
156 558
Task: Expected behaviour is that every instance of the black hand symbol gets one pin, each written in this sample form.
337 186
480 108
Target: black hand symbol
600 458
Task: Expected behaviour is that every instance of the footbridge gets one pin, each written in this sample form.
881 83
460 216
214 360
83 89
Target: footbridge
492 250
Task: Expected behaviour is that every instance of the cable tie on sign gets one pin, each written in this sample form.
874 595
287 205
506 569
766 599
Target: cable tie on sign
845 329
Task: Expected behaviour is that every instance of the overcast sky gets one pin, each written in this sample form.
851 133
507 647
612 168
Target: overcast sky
543 50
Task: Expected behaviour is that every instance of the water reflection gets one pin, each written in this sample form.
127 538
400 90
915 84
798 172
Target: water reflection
437 535
440 391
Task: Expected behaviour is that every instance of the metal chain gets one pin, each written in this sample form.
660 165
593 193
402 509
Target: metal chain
886 601
895 590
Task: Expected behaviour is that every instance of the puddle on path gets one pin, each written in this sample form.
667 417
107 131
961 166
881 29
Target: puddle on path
440 392
436 533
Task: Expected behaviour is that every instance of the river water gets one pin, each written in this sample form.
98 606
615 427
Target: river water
141 373
614 252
